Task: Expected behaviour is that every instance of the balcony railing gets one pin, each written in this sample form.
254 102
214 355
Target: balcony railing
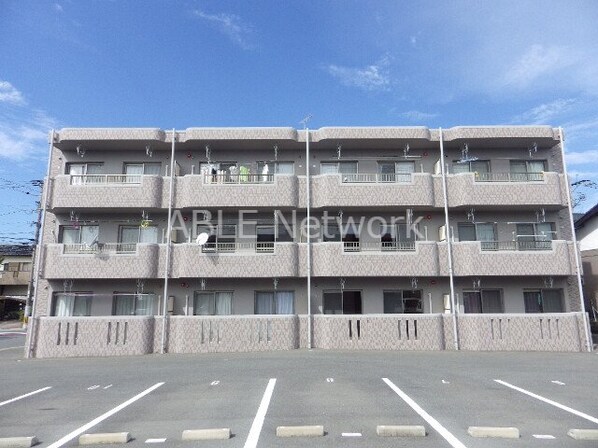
222 247
100 248
374 178
509 177
384 246
105 179
228 179
516 245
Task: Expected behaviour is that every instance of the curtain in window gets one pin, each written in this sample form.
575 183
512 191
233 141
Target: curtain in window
129 235
94 168
485 232
466 232
148 234
481 166
551 301
472 302
285 168
264 302
82 306
460 168
203 303
89 234
70 236
224 303
145 304
491 302
535 166
328 168
532 300
64 305
347 167
284 302
518 166
544 231
152 168
124 305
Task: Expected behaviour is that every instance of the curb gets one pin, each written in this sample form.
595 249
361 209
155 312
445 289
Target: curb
18 442
494 432
206 434
401 431
300 431
104 438
583 434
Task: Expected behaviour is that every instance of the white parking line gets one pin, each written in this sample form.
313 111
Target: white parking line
330 380
543 436
155 441
350 434
108 386
560 383
551 402
93 387
25 396
11 348
258 421
70 436
215 383
445 433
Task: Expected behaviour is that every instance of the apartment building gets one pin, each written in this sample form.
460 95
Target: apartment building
15 277
239 239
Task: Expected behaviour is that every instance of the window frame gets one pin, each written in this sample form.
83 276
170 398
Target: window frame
481 300
274 305
212 308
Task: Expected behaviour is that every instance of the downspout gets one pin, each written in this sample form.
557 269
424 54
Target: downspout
449 243
586 324
308 217
168 244
38 251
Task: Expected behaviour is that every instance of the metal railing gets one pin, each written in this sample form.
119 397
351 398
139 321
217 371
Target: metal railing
509 177
226 247
228 179
100 248
105 179
383 246
516 245
364 178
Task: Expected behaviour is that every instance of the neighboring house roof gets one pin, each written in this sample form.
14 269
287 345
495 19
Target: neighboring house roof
579 223
24 250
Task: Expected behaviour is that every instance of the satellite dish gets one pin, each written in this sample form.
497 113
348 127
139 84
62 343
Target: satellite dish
202 238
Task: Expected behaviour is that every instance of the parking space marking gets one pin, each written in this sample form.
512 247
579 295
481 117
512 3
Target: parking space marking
446 382
445 433
108 386
258 421
548 401
25 396
70 436
93 387
543 436
155 441
215 383
11 348
350 434
330 380
560 383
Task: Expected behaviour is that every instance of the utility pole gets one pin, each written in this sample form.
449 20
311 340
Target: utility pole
34 252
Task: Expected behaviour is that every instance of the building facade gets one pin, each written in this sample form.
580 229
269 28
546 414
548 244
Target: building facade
15 278
234 239
586 228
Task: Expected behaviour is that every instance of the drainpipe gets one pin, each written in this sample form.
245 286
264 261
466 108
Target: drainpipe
448 241
38 251
308 217
586 324
168 244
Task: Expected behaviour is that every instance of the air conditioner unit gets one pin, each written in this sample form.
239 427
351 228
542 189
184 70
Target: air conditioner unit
442 233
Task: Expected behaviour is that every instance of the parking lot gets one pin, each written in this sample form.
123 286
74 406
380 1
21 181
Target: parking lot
156 398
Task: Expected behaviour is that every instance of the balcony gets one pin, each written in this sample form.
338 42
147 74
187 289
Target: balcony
235 260
13 278
106 191
241 190
542 258
108 260
506 189
374 260
372 190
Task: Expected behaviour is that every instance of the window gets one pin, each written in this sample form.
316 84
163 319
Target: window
274 302
535 236
72 304
342 302
212 303
527 170
265 238
403 301
395 171
543 301
79 238
82 173
483 301
131 235
221 238
483 231
474 166
276 167
131 304
134 171
398 237
338 167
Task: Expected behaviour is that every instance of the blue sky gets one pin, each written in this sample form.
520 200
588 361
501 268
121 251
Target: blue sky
100 63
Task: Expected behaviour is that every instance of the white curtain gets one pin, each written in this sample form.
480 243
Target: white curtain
82 306
264 302
328 168
284 302
485 232
224 303
152 168
285 168
70 236
145 304
64 305
535 166
124 305
148 234
129 235
89 234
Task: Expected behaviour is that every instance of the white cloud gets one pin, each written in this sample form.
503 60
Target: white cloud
58 7
415 115
230 25
582 157
535 62
9 94
545 112
371 77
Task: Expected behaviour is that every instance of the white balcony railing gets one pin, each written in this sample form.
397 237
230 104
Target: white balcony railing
509 177
100 248
226 247
383 246
228 179
374 178
516 245
105 179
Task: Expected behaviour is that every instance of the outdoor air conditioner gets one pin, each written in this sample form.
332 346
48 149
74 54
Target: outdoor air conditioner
442 233
170 305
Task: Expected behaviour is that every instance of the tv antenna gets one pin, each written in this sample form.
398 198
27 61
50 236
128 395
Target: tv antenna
465 155
305 120
533 149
